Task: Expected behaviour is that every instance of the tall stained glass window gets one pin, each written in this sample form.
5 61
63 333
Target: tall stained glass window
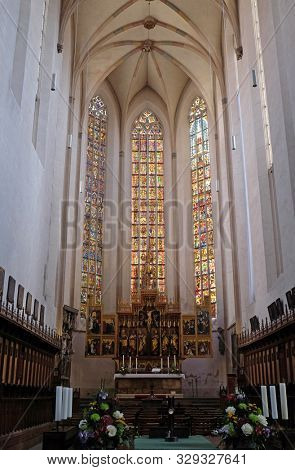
94 199
148 230
204 260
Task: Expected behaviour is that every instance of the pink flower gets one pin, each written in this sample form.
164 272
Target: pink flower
105 421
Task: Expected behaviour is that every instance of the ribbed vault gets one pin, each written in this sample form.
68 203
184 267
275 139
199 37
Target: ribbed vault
160 44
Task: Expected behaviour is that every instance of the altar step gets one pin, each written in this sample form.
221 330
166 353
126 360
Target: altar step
204 414
201 415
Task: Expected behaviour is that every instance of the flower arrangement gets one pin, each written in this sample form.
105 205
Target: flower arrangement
174 370
244 425
103 426
123 370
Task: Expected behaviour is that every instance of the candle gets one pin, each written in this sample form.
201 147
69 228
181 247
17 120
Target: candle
264 400
161 363
273 400
70 403
136 363
284 402
65 399
130 364
58 404
123 359
174 361
168 363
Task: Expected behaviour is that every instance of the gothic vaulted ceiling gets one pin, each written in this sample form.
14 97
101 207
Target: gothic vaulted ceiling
161 44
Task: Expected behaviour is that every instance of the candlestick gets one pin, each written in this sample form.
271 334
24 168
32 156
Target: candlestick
58 404
284 402
161 363
136 364
273 400
70 403
168 363
65 399
264 401
130 363
123 359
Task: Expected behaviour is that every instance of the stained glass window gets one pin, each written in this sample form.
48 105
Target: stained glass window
148 230
94 199
204 261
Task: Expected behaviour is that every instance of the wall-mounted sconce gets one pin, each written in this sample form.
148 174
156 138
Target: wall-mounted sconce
254 78
53 82
233 142
70 141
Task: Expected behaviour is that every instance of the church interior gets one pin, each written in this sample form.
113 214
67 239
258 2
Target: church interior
147 207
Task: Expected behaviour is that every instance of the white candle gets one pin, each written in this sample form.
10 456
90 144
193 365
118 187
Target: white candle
174 361
168 363
273 400
65 399
284 402
130 364
123 359
58 404
161 363
70 403
136 363
264 400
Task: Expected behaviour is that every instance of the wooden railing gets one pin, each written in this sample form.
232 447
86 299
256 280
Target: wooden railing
19 413
27 323
266 328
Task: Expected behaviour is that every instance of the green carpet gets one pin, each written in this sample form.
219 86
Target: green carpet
191 443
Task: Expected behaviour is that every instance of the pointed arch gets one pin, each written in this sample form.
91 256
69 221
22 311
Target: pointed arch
203 236
148 229
91 285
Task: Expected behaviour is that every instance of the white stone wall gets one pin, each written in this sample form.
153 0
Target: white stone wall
31 178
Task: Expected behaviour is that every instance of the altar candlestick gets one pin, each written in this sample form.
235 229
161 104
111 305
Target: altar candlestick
168 363
130 364
123 360
284 403
70 403
136 363
264 400
174 361
65 400
273 400
161 363
58 404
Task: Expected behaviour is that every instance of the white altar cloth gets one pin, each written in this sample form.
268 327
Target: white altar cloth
149 376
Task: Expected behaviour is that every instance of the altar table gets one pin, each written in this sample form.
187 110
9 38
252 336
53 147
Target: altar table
140 384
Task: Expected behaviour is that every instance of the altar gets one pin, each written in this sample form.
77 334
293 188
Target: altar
147 384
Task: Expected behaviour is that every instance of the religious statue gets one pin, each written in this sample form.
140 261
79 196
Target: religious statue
155 342
165 343
141 343
123 342
132 343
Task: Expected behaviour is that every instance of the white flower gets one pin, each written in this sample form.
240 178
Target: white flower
112 430
83 424
262 420
224 429
247 429
230 410
118 415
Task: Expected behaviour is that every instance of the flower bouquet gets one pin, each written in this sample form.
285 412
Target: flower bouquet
103 426
244 425
123 370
